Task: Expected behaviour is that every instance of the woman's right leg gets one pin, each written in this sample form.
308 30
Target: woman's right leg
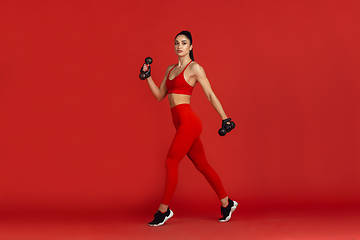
185 135
183 141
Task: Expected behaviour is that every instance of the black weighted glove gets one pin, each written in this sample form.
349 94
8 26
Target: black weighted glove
144 75
226 126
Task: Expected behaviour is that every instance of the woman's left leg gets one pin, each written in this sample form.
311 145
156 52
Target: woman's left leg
197 156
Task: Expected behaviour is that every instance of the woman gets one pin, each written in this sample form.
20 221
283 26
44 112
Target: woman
178 84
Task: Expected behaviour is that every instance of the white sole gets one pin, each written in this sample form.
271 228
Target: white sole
162 223
231 211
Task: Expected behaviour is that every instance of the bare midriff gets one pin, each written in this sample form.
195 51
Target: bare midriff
176 99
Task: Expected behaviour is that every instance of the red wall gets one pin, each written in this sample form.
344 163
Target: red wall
79 130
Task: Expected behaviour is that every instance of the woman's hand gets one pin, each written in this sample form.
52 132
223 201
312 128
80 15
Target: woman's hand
145 67
226 126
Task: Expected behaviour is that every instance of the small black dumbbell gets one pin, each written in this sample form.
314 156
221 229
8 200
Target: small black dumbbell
225 127
144 75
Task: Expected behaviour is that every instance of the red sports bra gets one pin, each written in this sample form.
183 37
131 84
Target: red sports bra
179 84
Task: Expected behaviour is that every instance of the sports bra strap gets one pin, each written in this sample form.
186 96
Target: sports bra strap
170 71
187 65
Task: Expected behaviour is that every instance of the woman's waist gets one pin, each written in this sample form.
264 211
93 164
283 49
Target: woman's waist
177 99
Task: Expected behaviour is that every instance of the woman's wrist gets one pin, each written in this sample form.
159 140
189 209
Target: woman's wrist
224 117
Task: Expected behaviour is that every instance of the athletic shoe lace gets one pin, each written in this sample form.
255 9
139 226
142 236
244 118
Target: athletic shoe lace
157 214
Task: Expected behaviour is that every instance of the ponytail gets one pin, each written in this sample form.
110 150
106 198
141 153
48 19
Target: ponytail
192 55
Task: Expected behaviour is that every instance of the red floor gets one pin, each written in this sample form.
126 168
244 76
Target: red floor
265 225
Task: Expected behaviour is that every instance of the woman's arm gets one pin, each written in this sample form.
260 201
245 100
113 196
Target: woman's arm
158 92
210 95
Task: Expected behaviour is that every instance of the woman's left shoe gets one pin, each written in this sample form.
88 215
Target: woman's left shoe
227 211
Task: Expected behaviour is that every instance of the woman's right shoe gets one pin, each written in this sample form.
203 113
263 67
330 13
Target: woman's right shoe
228 210
160 218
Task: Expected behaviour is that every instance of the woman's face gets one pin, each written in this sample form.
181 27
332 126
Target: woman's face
182 46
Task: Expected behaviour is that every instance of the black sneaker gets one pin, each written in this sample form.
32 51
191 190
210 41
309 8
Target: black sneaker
227 211
160 218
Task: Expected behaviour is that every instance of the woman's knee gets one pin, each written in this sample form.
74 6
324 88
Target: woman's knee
171 164
203 167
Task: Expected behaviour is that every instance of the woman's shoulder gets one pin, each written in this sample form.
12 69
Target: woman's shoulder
194 66
193 63
170 67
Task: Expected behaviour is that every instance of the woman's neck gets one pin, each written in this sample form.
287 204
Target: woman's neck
183 61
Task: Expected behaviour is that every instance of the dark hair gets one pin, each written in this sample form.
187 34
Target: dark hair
188 35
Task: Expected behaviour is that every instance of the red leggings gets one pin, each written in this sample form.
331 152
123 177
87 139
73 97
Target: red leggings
187 142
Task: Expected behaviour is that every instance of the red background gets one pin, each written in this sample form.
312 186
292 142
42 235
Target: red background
80 131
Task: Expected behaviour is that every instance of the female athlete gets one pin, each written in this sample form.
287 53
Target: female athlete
178 84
